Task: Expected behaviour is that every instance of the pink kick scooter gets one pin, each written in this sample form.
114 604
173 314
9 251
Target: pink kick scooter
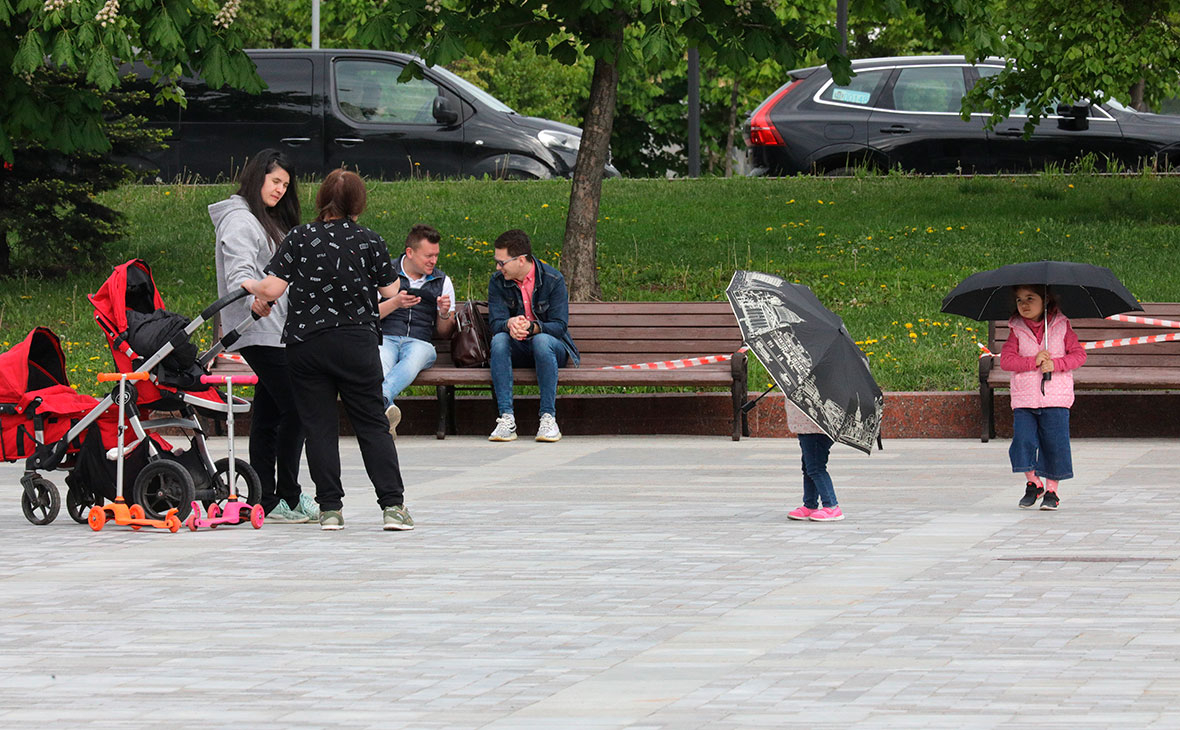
236 511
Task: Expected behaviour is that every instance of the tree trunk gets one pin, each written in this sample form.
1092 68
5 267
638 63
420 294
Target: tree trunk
1137 92
733 104
579 251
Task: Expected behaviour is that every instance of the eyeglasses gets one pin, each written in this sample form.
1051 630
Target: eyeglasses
501 264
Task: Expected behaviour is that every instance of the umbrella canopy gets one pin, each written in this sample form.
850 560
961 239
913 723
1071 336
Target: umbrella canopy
810 355
1082 290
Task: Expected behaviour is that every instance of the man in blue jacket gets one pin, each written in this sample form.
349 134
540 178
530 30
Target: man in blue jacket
528 310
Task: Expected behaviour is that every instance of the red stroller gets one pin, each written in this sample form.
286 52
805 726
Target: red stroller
44 421
131 313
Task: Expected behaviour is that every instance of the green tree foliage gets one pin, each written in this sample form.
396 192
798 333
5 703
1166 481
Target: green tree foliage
733 32
59 63
287 24
50 223
533 84
90 38
1066 50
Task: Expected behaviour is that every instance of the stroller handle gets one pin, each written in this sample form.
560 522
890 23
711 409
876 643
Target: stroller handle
109 377
222 303
234 379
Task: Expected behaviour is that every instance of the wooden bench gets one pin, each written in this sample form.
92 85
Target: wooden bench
1136 367
613 333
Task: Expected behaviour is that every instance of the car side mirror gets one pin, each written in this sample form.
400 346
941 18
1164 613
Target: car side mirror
442 111
1074 117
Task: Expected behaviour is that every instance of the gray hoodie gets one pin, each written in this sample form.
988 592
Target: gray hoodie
243 251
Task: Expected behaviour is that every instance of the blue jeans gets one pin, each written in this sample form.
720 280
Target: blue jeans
402 358
1040 442
544 352
817 485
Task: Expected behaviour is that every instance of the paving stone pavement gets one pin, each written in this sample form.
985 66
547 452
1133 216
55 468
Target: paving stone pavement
641 583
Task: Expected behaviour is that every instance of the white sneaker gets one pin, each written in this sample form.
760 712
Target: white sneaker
505 428
548 430
394 414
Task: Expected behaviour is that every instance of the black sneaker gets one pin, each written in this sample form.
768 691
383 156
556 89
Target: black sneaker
1050 501
1031 494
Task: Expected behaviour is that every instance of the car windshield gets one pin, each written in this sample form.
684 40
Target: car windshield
473 90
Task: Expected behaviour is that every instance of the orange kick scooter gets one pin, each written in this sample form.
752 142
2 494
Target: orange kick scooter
119 511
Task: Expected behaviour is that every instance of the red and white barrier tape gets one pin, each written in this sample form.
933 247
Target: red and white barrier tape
1172 336
1145 320
1123 342
687 362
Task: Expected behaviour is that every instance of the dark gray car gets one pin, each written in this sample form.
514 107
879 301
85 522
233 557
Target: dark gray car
326 108
904 113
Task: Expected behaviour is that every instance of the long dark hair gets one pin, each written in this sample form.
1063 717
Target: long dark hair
279 220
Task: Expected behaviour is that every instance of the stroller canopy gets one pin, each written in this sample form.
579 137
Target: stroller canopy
130 286
35 363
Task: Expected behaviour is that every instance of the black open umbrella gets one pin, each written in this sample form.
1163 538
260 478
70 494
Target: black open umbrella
810 355
1082 290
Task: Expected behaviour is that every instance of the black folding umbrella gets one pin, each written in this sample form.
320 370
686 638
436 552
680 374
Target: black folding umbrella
1082 290
810 355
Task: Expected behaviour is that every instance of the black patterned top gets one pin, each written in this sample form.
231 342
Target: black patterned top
333 269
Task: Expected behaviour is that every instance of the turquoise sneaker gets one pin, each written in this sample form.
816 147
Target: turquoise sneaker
331 520
308 507
397 518
283 514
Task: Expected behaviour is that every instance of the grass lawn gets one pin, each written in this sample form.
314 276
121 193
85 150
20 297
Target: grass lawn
880 251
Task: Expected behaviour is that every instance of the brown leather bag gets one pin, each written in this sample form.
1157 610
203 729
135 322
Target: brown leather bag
471 343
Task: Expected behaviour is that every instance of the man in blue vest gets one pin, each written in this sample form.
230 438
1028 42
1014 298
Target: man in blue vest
528 313
425 303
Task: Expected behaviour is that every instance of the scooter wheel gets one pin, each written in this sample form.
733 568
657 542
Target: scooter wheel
214 510
172 523
257 516
136 512
192 522
97 518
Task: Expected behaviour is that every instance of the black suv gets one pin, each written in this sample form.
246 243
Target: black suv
326 108
904 112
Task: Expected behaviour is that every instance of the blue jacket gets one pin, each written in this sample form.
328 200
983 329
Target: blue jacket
551 305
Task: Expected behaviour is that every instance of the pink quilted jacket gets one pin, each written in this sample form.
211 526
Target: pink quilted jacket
1019 357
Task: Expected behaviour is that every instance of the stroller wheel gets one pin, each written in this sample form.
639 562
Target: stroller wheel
246 480
40 501
78 505
163 485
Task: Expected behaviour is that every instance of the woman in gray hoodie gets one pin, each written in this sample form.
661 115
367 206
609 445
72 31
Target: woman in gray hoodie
250 225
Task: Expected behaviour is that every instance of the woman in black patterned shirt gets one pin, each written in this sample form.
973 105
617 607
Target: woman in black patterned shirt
333 268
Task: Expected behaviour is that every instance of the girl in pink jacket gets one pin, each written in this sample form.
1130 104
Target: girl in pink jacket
1041 352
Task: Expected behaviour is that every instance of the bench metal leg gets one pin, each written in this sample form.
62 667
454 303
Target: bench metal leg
987 415
441 395
738 393
452 421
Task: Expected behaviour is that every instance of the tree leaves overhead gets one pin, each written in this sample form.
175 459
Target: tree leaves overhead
1066 50
92 37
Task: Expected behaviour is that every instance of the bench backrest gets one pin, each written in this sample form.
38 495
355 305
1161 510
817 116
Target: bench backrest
1159 354
621 333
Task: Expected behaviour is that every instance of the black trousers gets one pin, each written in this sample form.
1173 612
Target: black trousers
344 362
276 433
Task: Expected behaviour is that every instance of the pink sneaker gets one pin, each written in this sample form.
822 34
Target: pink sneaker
826 514
801 513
